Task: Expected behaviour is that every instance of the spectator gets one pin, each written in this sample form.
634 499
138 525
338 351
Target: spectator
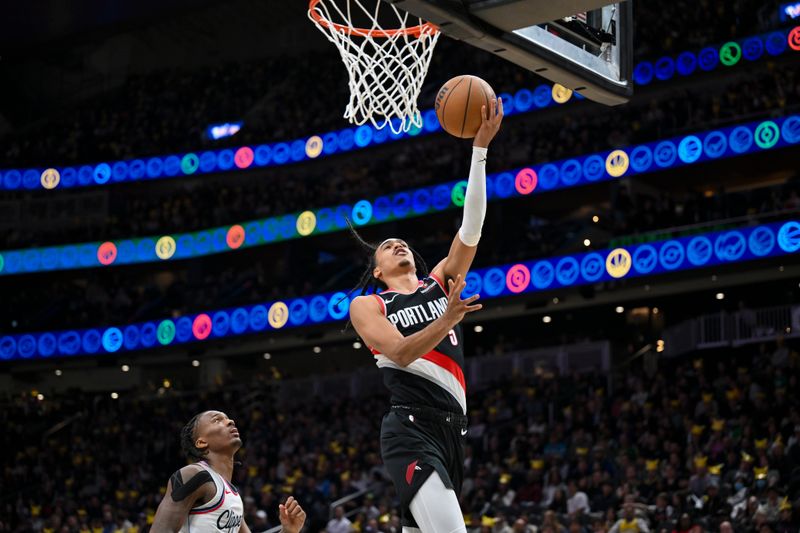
629 523
339 523
578 502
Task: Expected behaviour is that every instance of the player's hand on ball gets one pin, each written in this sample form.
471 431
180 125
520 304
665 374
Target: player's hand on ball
456 307
490 123
292 516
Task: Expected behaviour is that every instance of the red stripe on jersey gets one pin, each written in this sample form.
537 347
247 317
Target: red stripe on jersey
383 304
437 280
448 364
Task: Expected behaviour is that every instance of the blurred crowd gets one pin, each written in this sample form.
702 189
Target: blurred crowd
165 112
197 204
710 443
671 27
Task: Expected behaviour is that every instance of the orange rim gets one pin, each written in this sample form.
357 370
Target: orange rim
416 31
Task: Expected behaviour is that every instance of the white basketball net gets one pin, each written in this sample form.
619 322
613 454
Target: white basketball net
386 67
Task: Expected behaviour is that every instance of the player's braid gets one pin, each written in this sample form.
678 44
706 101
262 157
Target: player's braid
367 280
369 284
192 452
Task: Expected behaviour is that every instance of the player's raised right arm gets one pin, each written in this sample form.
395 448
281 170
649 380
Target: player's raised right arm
186 488
376 330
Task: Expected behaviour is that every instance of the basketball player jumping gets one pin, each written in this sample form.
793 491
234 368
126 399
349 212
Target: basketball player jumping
412 328
200 496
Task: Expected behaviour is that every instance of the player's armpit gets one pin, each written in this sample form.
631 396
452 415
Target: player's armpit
372 326
187 488
243 527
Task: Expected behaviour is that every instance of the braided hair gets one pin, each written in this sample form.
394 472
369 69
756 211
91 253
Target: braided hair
368 283
188 438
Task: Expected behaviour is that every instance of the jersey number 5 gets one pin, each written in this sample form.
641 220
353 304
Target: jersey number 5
453 338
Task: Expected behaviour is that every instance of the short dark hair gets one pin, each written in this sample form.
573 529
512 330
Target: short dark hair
188 438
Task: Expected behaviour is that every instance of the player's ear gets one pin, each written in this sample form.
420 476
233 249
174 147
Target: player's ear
201 444
376 272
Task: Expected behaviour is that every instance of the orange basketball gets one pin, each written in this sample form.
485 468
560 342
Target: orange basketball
458 105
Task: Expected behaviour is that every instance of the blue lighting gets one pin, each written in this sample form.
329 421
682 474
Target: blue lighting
216 132
776 43
641 158
281 153
665 68
523 100
225 159
208 161
548 176
542 97
593 168
686 63
789 11
715 144
647 157
708 58
643 73
504 185
293 151
494 281
567 271
154 167
753 48
362 212
683 253
542 274
571 172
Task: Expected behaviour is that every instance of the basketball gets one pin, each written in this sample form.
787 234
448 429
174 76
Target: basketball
458 105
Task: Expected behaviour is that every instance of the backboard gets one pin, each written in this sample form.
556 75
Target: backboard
585 45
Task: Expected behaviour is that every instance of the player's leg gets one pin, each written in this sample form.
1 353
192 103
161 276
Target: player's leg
435 508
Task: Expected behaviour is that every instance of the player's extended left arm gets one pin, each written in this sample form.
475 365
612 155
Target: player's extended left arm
465 245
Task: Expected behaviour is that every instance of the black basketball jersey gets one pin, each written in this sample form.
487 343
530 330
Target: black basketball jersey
437 378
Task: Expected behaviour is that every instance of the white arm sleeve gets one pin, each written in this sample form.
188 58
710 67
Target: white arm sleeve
474 199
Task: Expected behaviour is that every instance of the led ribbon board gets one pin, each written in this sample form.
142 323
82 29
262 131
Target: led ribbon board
325 144
673 255
639 159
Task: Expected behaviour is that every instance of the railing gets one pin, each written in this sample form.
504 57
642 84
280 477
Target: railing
752 48
742 327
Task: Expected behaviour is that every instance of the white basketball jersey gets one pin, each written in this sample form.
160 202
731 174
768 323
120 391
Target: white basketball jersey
223 512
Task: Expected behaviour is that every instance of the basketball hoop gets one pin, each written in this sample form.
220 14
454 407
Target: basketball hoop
386 67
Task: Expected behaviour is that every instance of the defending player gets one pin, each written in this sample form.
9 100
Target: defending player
200 496
412 328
